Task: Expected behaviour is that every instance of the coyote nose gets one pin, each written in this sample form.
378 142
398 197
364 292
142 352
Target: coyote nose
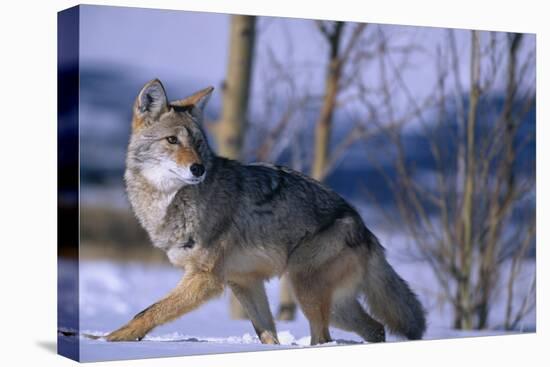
197 169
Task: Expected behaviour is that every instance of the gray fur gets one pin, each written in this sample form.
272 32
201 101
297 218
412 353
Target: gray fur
297 224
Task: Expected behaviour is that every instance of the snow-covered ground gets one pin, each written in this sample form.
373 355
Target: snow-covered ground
111 293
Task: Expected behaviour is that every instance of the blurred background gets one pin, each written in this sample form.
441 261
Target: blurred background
428 132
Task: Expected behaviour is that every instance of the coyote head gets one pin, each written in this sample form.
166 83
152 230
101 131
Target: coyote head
168 146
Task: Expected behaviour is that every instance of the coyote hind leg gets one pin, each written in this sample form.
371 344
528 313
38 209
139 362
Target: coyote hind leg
315 301
349 315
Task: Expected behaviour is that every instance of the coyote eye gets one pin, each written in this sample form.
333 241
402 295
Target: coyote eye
172 139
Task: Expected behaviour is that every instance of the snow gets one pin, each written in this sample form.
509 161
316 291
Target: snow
111 293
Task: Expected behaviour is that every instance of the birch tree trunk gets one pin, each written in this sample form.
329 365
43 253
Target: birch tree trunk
229 131
324 122
464 318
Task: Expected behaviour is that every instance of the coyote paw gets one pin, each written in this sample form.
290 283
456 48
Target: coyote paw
315 339
125 333
267 337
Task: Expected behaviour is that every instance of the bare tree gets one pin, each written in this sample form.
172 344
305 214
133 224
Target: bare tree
463 223
463 317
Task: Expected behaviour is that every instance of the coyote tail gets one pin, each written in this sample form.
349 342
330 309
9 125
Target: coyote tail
389 297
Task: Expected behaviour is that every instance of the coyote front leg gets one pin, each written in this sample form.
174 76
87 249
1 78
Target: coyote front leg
194 289
254 300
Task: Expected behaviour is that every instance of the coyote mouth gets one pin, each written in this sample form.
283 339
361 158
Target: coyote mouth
189 181
194 180
189 244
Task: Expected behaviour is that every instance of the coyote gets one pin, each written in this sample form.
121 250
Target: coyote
236 225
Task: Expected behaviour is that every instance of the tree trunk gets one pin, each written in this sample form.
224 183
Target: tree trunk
230 130
464 291
324 122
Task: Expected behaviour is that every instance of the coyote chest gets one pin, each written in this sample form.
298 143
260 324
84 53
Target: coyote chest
167 222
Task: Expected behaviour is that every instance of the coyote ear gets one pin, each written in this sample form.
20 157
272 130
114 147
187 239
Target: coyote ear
151 101
195 102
